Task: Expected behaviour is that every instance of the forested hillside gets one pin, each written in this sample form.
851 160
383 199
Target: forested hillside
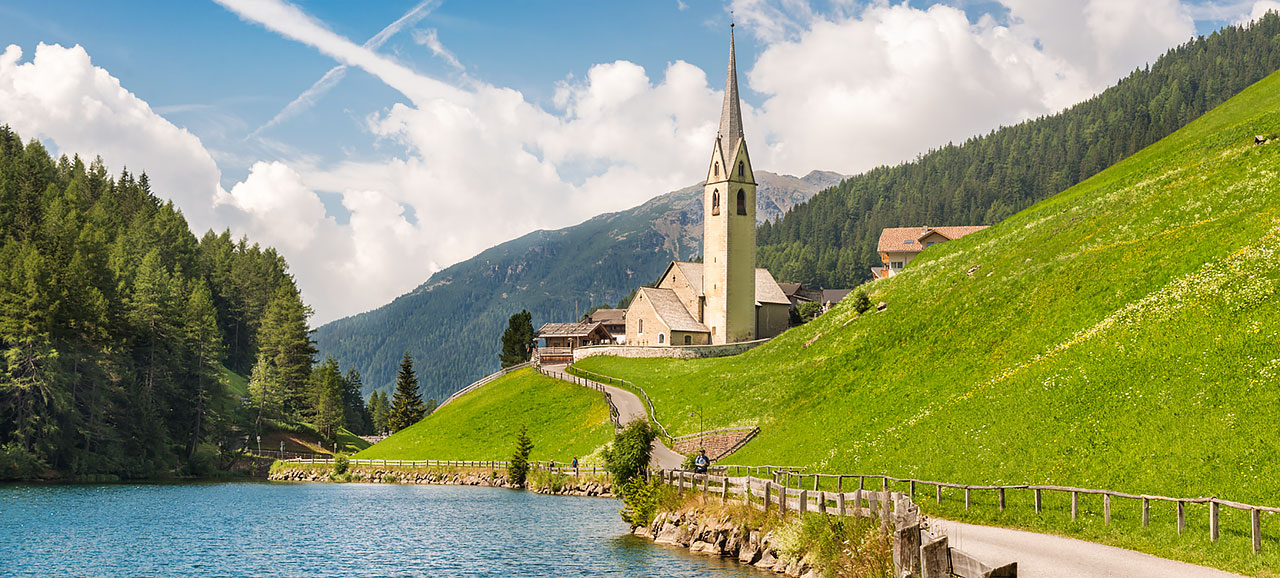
453 322
116 323
831 240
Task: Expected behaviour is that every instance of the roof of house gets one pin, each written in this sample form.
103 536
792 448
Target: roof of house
607 316
569 329
671 310
790 289
767 290
907 239
834 296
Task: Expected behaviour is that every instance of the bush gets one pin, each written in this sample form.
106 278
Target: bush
518 469
861 303
628 455
641 499
809 310
17 463
340 464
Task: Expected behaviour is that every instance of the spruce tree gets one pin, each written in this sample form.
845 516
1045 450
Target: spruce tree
517 339
204 344
326 403
518 468
355 413
406 404
379 410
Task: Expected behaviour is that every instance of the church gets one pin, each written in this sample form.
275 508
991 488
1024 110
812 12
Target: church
725 298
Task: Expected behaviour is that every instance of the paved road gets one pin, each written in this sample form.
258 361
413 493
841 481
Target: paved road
1047 556
631 408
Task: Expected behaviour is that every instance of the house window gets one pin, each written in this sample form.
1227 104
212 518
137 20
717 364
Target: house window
896 264
661 337
641 326
715 202
742 170
688 340
742 202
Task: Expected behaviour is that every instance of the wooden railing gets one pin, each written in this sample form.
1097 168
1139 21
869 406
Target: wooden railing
482 381
795 477
285 455
915 551
653 414
549 466
613 409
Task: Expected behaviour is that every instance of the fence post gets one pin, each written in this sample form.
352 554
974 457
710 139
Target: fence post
884 483
966 498
1146 512
1256 530
938 488
840 484
768 495
1037 500
804 503
822 503
680 484
1075 505
1213 521
862 482
746 490
1182 517
1106 509
782 501
724 491
1001 492
857 503
840 503
913 489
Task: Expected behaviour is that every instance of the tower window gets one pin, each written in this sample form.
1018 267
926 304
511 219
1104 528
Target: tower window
742 169
715 201
717 169
742 202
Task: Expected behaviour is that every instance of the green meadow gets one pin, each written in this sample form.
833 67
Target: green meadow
1123 334
563 420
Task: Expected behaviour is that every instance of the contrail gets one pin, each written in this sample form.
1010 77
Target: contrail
337 73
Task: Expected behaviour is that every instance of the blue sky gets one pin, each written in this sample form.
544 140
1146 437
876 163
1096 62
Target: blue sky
479 121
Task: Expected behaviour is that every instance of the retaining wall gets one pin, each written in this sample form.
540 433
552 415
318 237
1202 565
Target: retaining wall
673 351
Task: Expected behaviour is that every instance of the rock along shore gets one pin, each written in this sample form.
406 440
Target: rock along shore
565 486
724 537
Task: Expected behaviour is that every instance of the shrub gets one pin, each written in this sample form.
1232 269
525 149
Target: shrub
640 501
809 310
518 469
861 303
340 464
17 463
628 455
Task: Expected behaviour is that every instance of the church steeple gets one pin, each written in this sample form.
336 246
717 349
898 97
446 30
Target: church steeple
731 114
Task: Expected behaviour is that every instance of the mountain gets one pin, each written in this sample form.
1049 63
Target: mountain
1120 335
452 323
831 240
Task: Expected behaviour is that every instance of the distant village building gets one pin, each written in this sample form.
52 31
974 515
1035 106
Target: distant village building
832 297
900 245
724 299
797 293
614 321
560 339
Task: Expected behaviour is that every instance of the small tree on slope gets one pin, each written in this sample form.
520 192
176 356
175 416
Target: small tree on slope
628 455
406 404
518 469
517 339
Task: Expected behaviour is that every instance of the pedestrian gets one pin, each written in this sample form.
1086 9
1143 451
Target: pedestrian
701 462
575 466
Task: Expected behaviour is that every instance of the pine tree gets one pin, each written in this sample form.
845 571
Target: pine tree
518 467
286 338
204 342
517 339
326 403
406 404
379 410
356 414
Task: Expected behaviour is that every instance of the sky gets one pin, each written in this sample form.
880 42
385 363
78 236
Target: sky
374 143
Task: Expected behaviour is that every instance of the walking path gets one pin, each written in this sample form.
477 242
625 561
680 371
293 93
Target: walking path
1048 556
631 408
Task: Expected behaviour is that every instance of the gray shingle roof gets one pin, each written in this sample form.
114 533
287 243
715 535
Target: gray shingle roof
671 310
566 329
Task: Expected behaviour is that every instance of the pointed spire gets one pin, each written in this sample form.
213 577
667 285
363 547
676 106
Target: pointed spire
731 115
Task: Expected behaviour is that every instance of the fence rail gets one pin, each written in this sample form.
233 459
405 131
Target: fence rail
653 414
482 381
915 551
549 466
584 382
795 477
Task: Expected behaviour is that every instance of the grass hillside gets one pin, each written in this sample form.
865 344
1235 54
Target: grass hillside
1124 334
564 421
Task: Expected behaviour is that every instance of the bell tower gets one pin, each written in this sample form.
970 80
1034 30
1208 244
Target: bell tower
729 237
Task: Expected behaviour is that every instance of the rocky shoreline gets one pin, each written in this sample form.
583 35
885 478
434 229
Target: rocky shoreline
568 486
724 537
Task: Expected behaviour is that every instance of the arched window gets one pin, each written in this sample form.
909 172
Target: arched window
742 169
717 169
715 202
661 337
742 202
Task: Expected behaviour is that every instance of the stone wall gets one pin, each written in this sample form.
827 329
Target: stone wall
724 537
594 486
677 351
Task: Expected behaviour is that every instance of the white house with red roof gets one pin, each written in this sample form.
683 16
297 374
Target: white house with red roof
900 245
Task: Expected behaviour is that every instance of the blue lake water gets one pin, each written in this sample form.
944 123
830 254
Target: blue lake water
321 530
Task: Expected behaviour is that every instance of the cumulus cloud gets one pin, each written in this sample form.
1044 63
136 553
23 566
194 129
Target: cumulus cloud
61 96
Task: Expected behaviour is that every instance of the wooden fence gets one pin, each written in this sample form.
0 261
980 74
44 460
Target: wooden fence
653 414
613 409
915 551
793 477
482 381
549 466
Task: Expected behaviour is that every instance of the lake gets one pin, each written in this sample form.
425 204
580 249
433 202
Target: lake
320 530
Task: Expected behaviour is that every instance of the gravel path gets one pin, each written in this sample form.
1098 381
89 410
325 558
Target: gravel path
631 408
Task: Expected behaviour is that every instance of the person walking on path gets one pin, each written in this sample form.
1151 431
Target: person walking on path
701 462
575 466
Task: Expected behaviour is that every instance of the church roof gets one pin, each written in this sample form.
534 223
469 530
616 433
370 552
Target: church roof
767 289
671 310
731 114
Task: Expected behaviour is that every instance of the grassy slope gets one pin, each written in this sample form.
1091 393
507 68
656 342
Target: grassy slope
1124 334
564 421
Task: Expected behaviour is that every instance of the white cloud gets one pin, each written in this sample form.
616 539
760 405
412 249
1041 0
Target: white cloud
1261 8
60 95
